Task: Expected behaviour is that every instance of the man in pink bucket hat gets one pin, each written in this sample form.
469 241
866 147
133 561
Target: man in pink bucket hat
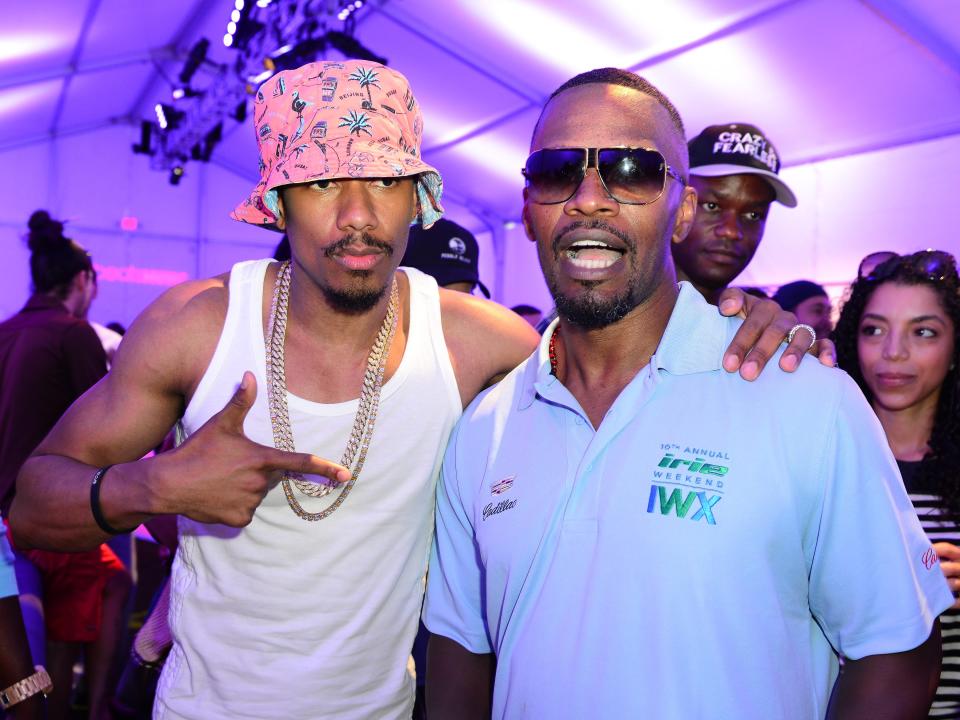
298 582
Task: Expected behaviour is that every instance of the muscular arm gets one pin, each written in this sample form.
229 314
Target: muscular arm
896 686
118 421
216 476
485 340
459 682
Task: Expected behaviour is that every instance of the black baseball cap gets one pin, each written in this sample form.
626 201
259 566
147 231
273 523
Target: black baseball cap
446 251
738 149
794 293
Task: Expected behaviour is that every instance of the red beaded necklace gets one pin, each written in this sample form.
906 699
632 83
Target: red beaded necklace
552 352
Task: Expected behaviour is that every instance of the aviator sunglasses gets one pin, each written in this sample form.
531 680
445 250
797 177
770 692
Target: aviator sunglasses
632 176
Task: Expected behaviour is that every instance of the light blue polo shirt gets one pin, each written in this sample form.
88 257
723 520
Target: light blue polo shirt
704 553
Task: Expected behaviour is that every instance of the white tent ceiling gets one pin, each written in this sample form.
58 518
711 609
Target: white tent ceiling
860 96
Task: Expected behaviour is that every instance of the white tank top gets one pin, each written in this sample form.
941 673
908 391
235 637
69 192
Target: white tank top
293 619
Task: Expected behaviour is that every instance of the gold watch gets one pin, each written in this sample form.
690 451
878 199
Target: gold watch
28 687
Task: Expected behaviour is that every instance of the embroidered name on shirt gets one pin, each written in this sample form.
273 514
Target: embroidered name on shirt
929 558
502 506
681 504
695 465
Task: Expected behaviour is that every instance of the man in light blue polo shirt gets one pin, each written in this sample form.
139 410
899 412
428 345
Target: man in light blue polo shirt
626 530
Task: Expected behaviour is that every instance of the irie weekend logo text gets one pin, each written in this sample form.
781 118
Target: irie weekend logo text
699 471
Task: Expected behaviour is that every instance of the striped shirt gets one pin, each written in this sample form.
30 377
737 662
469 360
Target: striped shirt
940 527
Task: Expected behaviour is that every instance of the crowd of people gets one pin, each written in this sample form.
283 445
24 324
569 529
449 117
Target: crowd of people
633 513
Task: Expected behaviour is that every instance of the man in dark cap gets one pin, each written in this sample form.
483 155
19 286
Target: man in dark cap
447 252
734 169
809 302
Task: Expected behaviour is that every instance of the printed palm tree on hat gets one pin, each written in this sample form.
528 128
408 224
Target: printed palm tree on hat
356 122
366 78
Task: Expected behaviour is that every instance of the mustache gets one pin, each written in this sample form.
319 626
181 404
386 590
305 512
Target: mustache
590 225
363 239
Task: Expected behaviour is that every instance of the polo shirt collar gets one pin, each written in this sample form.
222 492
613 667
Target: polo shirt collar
536 374
693 342
695 336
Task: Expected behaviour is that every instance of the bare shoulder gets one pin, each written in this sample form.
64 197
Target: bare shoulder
174 338
485 340
471 320
188 299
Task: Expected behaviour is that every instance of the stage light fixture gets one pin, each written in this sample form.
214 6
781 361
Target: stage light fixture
196 57
240 114
348 8
146 134
161 116
352 48
190 127
210 141
168 117
179 93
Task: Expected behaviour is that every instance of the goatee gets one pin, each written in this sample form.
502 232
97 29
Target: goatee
591 312
354 302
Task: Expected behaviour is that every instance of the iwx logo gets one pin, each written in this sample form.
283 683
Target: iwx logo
681 505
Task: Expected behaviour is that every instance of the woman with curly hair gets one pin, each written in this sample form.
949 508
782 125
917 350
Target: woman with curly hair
899 337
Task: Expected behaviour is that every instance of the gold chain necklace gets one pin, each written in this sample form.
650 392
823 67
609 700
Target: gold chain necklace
367 407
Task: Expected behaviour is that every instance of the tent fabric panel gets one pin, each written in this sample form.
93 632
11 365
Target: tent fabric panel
27 112
30 42
487 167
852 206
122 26
454 97
814 103
102 96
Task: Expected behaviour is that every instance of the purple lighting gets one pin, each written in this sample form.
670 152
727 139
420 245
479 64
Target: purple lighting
23 45
140 276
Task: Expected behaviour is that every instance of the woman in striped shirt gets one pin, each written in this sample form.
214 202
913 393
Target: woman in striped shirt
899 337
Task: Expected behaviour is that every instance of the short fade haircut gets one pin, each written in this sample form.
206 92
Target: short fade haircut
625 78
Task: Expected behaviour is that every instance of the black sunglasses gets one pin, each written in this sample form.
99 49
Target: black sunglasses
935 265
632 176
873 260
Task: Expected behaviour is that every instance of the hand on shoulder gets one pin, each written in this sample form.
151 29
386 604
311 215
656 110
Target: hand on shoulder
764 328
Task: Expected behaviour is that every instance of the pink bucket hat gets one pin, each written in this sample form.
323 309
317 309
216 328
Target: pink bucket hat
327 120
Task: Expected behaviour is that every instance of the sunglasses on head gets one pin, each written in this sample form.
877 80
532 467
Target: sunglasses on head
632 176
873 260
935 265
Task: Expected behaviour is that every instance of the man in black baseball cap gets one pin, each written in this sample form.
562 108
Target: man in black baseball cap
447 252
809 302
734 169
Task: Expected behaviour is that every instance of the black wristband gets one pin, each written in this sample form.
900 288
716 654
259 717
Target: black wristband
95 503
